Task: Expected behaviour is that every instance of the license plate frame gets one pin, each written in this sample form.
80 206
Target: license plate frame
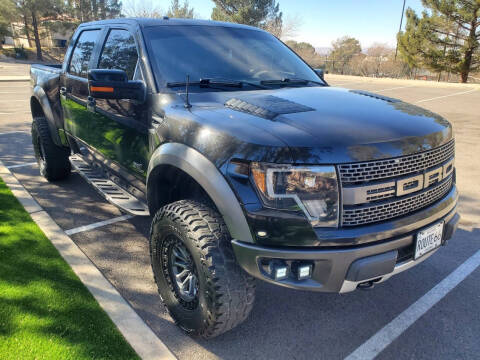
428 240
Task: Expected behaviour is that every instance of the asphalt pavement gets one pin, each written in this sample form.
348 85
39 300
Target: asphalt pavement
284 324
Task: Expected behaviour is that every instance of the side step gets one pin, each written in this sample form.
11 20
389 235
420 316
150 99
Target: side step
108 189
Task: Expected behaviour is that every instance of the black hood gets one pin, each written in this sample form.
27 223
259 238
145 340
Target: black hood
324 124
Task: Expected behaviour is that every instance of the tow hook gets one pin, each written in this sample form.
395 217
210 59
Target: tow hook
367 285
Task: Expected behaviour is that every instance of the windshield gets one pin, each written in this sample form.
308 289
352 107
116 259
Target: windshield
214 52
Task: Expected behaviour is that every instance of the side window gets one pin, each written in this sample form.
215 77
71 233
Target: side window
83 52
119 52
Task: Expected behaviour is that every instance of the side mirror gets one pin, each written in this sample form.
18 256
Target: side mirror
320 73
114 84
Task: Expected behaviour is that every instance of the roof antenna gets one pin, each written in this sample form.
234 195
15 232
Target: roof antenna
187 102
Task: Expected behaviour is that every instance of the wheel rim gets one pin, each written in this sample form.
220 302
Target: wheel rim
182 272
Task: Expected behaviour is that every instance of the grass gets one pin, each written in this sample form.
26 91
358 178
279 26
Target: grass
45 311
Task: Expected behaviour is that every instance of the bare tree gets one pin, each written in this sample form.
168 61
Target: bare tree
145 8
378 54
290 27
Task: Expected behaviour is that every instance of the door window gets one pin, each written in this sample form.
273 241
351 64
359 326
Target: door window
119 52
83 52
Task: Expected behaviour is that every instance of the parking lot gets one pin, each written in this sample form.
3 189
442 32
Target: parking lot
284 323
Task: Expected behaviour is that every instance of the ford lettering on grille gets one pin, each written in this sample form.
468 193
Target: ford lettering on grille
395 187
407 185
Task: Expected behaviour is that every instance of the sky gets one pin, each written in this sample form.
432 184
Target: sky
323 21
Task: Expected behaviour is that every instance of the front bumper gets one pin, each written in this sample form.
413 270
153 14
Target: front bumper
343 269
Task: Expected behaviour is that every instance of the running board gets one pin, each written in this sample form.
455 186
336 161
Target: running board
108 189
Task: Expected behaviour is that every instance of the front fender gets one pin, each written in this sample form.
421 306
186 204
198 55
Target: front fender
210 179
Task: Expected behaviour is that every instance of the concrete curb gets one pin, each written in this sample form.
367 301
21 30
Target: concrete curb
14 78
138 334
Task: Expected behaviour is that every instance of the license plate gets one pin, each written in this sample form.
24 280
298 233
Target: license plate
428 239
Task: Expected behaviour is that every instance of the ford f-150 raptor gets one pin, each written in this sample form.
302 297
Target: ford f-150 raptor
250 165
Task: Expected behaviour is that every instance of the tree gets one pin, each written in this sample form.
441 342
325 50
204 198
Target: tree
180 11
290 27
110 9
88 10
34 11
265 14
142 9
377 55
306 51
344 49
446 38
8 12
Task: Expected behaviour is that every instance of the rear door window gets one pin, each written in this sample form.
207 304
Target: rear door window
119 52
83 52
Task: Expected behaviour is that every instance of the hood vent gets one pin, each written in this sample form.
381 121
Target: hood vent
375 96
265 106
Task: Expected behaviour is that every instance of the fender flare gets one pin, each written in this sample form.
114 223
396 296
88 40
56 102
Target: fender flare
39 94
205 173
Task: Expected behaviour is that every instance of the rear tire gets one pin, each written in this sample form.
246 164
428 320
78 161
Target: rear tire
224 293
52 159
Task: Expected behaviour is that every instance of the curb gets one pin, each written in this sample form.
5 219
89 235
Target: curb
135 331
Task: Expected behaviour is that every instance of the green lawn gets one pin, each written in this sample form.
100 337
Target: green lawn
45 311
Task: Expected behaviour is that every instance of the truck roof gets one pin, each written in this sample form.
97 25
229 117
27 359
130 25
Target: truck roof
146 22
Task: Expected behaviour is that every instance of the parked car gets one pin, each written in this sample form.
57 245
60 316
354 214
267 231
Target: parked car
249 164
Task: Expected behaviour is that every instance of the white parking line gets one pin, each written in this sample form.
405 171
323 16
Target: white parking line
395 88
373 346
97 224
444 96
21 165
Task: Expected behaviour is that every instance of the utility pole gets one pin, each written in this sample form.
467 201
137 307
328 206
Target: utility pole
400 28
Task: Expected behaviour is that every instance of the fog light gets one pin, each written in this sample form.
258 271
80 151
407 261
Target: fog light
278 270
304 272
281 273
261 233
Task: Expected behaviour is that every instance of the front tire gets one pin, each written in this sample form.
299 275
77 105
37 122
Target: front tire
52 159
200 283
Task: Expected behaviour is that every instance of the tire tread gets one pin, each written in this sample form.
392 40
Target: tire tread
231 288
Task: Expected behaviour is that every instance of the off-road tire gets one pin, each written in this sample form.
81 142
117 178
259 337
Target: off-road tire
52 159
226 292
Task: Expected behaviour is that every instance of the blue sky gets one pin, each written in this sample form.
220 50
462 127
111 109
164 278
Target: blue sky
323 21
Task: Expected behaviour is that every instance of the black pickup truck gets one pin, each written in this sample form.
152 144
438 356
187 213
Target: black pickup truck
250 165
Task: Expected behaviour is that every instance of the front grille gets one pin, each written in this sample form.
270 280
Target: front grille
383 169
354 215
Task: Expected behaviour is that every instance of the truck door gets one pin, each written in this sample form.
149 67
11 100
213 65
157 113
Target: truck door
74 89
116 129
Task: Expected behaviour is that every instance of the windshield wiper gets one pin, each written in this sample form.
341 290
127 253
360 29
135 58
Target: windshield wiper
287 81
207 82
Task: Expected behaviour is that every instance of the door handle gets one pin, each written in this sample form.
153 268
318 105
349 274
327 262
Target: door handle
63 91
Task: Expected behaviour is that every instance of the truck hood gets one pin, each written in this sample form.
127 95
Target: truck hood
325 124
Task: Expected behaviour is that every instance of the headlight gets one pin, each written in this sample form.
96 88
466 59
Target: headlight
312 189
